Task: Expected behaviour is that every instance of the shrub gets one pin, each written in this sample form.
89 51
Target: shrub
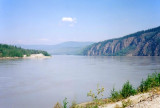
141 87
127 90
151 81
115 95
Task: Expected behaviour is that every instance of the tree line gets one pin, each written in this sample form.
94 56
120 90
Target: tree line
14 51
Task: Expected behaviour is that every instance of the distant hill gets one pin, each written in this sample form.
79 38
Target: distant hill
14 51
143 43
66 48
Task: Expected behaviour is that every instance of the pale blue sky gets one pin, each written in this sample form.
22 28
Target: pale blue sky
55 21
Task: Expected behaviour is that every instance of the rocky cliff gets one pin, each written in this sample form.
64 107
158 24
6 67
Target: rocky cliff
143 43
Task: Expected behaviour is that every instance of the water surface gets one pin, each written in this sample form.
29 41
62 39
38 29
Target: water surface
40 83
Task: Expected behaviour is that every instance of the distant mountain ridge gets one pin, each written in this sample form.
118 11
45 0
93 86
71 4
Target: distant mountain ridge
65 48
143 43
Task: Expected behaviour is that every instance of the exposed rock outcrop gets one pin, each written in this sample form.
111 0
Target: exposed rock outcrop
143 43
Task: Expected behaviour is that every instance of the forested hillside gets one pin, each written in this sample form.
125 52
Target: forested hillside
13 51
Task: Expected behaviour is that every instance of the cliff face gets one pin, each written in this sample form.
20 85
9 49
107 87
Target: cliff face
143 43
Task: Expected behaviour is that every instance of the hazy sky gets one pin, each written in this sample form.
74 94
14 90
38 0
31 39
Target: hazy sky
55 21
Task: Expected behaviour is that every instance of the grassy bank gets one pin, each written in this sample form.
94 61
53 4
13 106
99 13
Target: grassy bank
150 83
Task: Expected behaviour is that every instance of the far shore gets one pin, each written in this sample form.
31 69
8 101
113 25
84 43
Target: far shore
32 56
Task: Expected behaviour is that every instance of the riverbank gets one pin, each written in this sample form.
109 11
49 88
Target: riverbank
32 56
36 56
146 95
145 100
149 99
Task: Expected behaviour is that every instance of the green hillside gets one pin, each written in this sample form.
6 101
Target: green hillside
14 51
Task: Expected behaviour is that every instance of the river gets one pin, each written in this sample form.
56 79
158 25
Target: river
40 83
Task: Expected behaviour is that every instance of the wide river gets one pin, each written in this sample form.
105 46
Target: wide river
40 83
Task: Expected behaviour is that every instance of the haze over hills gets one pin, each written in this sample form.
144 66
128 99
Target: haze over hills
142 43
66 48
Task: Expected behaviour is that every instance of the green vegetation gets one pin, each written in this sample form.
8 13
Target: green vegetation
58 105
14 51
115 95
65 103
152 82
126 91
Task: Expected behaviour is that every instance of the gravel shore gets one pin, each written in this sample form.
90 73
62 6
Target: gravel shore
31 56
36 56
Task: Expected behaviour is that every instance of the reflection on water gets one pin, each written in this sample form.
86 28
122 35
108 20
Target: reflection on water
40 83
